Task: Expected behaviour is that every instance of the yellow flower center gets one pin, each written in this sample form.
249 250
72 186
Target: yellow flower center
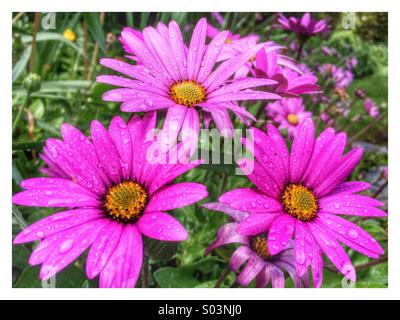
299 202
187 92
228 40
69 35
292 119
259 245
125 202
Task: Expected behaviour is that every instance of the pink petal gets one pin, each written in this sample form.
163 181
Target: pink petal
240 84
77 165
177 196
301 249
103 248
226 235
190 132
211 55
172 126
196 49
162 52
161 226
228 68
252 200
137 72
120 135
277 278
179 51
168 172
237 215
340 173
73 242
65 193
303 144
106 151
351 235
250 271
123 268
280 147
325 161
79 143
257 174
145 56
280 233
240 256
256 223
351 187
248 94
333 251
57 222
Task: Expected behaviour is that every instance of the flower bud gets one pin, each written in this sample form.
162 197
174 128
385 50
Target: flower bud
32 83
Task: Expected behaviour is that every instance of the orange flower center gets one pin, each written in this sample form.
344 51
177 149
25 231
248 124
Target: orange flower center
299 202
292 119
187 92
259 245
125 201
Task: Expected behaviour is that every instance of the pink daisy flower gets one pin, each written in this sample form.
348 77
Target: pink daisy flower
289 113
253 252
291 80
306 26
371 108
113 196
303 194
169 75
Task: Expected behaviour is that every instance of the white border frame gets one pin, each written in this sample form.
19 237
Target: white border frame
6 291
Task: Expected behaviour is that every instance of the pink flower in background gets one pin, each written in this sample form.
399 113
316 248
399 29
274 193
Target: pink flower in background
302 194
325 118
289 113
341 77
305 26
169 75
113 196
254 253
291 80
235 45
371 108
218 17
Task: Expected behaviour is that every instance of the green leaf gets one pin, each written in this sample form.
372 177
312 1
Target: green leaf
96 29
20 66
51 36
70 277
160 250
169 277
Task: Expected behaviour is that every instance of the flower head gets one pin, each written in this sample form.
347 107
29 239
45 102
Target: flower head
289 113
69 34
291 80
254 252
371 108
302 194
183 79
114 196
305 26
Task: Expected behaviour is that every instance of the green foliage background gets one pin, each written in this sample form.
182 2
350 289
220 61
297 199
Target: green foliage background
70 94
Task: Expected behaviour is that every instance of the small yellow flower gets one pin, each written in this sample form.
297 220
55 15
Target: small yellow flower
69 35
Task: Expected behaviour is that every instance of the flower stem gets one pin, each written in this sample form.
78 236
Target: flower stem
383 186
19 114
222 278
366 128
145 272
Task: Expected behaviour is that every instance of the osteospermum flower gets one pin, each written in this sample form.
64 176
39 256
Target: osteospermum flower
306 26
291 81
253 252
113 196
289 113
303 194
371 108
170 75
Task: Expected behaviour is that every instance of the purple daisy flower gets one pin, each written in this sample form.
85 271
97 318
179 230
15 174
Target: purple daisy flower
371 108
289 113
303 193
113 196
170 75
306 26
253 252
